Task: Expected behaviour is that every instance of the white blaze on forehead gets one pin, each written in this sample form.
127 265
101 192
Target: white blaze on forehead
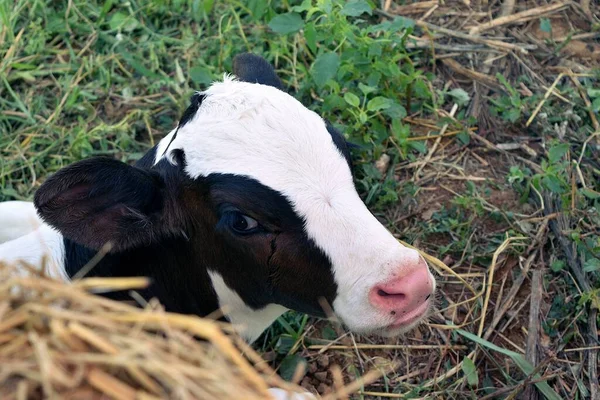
263 133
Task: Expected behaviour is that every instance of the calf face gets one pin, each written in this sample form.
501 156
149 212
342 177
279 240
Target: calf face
260 191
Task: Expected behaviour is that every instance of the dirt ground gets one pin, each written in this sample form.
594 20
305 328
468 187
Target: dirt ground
518 279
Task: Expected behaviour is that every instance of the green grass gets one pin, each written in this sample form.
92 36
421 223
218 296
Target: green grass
85 78
111 79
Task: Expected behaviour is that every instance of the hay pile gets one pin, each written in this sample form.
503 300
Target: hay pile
59 340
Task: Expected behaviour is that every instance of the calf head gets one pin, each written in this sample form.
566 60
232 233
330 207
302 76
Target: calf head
260 189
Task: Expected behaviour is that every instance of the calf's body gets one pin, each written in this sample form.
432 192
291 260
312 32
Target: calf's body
17 218
248 205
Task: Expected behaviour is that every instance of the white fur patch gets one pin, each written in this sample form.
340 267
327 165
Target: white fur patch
280 394
263 133
248 322
17 218
45 243
163 145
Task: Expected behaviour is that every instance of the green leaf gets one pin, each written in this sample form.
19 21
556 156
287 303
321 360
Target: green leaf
373 79
395 111
557 265
352 99
284 344
362 117
553 184
590 194
399 23
593 92
545 25
305 6
355 8
379 103
460 96
596 105
557 152
201 75
123 21
464 137
366 89
513 115
329 333
310 34
106 8
139 67
519 360
418 145
257 8
375 50
23 66
290 364
506 84
325 67
286 325
207 5
488 385
117 20
591 265
286 23
25 75
401 131
470 371
179 73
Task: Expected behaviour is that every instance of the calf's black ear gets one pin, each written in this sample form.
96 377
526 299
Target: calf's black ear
101 200
251 68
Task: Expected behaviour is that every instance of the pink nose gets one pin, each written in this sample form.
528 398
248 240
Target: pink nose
402 295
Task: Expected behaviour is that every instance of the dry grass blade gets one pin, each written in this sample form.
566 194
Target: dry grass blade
520 16
546 95
110 386
495 44
490 280
476 76
534 325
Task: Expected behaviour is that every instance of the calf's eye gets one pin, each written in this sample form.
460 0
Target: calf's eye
243 223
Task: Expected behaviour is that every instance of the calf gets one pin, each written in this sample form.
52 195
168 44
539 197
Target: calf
248 205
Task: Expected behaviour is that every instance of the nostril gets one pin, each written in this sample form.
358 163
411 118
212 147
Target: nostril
383 293
403 293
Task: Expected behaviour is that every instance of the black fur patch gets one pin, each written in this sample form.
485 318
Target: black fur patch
281 264
188 114
252 68
340 143
195 103
102 200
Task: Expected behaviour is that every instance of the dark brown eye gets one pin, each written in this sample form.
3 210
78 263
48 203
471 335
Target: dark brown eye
243 223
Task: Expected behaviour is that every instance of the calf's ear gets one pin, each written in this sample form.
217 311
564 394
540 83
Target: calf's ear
252 68
99 200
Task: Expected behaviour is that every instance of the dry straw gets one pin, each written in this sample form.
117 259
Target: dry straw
58 340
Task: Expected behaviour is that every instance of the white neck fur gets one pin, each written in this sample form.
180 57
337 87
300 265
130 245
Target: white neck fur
44 246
